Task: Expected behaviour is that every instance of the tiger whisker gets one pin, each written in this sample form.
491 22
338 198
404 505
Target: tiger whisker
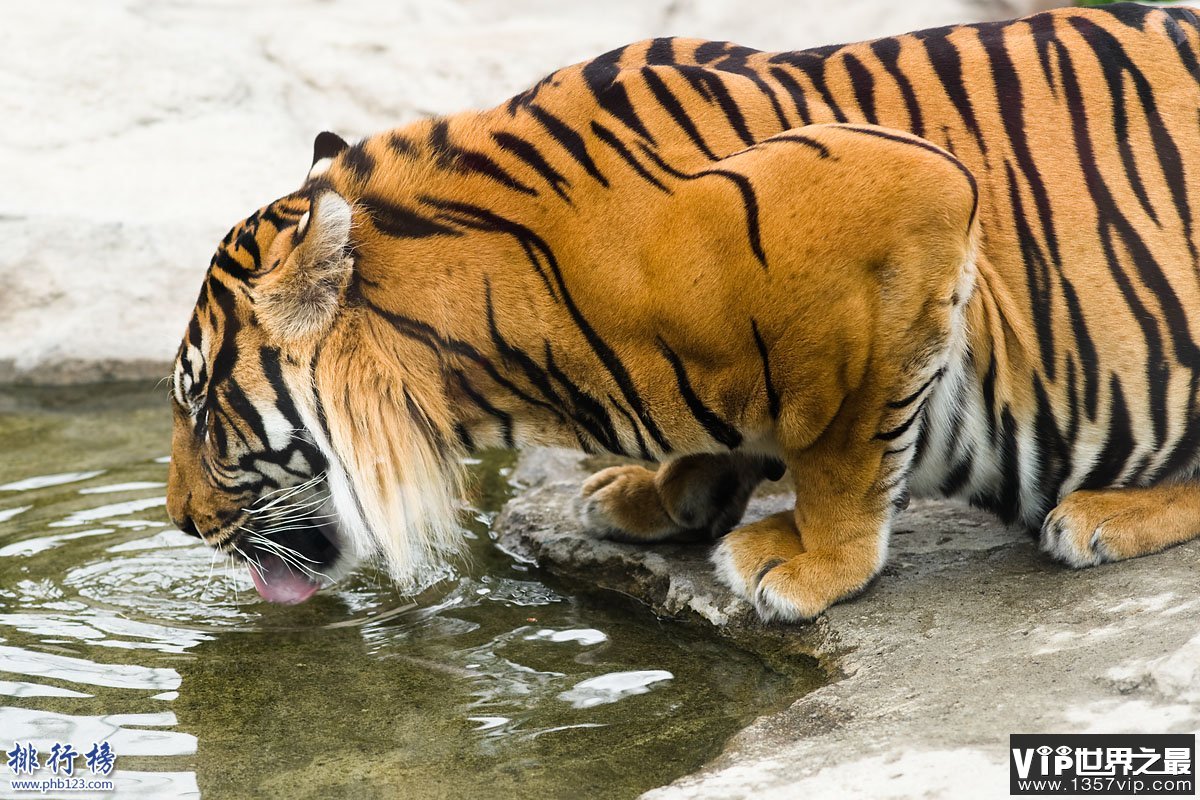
290 557
289 491
283 529
296 509
288 507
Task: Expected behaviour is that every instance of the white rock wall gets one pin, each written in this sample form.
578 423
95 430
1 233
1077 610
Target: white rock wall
135 133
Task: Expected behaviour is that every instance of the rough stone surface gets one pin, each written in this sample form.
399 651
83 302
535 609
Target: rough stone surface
136 133
969 634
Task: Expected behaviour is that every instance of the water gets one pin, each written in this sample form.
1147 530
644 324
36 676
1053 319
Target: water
497 683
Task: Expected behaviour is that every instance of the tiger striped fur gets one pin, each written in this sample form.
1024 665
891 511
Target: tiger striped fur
957 262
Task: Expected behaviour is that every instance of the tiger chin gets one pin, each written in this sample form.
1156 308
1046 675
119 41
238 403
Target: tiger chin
837 267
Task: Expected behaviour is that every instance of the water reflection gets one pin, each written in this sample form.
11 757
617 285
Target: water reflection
115 627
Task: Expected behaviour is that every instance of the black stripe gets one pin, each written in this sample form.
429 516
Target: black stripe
601 76
399 222
586 410
920 391
947 65
607 136
812 64
464 437
402 145
1052 454
226 354
643 453
764 357
1119 445
512 354
672 106
1011 100
1116 66
902 428
661 51
794 91
503 417
1007 502
464 160
570 141
356 159
744 187
710 85
863 84
958 477
888 52
720 430
1183 453
798 138
525 151
1037 273
749 207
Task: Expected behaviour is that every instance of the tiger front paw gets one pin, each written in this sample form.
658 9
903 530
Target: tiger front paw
623 503
766 563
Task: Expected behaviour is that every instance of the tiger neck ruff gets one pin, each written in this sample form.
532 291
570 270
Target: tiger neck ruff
955 262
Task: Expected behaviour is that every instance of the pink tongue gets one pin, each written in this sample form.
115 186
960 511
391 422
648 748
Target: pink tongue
278 583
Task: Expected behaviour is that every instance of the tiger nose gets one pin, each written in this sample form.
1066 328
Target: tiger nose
187 526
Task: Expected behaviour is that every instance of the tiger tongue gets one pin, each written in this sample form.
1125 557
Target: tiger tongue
279 583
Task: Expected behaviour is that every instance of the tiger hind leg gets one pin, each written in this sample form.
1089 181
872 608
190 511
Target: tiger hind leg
1092 527
692 497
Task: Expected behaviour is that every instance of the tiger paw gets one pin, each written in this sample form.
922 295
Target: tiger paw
766 563
623 503
746 557
1089 528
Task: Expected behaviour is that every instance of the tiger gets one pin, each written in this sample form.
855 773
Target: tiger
959 262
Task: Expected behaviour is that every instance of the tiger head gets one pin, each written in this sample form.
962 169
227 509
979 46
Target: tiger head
263 467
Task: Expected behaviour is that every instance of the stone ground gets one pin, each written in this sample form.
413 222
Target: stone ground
135 134
970 634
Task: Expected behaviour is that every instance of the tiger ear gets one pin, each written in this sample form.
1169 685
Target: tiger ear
300 297
326 147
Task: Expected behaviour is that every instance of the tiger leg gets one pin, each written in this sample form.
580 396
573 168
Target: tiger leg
694 496
795 564
1092 527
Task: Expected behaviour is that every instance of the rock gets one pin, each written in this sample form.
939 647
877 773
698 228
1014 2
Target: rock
137 133
970 634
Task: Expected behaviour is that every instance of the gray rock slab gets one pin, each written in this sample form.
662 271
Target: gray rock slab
970 634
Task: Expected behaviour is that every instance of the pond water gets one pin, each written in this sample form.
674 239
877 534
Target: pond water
498 682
